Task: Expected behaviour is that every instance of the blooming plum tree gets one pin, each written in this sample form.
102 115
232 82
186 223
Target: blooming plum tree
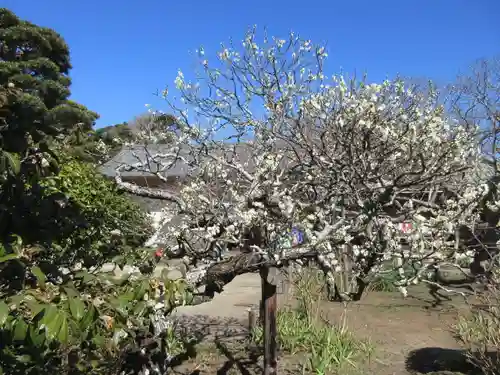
269 142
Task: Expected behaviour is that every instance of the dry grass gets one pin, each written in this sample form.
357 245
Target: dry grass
478 330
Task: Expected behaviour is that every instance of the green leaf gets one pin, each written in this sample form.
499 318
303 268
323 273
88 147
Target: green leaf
140 308
127 297
47 322
4 313
18 240
120 305
88 319
40 276
20 330
54 327
13 161
8 257
37 336
85 276
63 334
141 290
35 307
49 314
71 292
77 308
99 341
25 358
77 335
17 300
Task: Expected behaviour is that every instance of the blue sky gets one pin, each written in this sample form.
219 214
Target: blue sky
123 51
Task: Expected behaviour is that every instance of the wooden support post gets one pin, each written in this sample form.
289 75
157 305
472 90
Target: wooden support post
252 323
268 310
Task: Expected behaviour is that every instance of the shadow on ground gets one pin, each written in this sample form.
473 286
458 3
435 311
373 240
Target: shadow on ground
228 356
246 365
441 361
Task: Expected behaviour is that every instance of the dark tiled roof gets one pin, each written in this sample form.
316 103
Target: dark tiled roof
130 155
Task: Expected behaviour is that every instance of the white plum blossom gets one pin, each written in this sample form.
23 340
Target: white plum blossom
179 80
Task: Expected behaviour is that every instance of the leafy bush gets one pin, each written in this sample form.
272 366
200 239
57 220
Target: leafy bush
85 324
385 282
58 218
56 315
75 216
111 225
387 279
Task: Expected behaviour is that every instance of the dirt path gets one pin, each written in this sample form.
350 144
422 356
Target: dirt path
408 335
238 296
226 315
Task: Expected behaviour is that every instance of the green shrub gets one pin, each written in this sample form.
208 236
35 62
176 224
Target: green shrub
111 224
75 216
77 321
87 324
387 280
59 216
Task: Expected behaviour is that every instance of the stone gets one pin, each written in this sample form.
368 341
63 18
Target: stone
172 269
453 275
157 272
108 267
174 274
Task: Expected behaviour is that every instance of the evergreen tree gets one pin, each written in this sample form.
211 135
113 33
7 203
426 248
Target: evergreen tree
34 91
